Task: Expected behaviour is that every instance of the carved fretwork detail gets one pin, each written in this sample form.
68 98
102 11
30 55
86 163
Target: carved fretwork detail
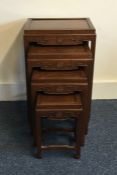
57 65
56 115
60 89
55 40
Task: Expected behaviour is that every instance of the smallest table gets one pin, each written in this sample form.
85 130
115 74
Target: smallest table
58 107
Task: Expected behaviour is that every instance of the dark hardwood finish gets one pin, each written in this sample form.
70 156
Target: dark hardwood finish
58 147
77 76
58 102
61 106
58 52
57 88
59 25
59 58
58 82
70 31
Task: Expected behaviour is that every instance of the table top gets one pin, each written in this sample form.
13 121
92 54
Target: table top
77 25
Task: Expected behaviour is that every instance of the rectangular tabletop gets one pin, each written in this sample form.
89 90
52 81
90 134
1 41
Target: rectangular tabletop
78 25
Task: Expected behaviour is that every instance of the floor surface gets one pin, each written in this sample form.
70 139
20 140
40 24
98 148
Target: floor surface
98 156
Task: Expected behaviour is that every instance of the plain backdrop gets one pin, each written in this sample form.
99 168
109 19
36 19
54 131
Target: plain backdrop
14 13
